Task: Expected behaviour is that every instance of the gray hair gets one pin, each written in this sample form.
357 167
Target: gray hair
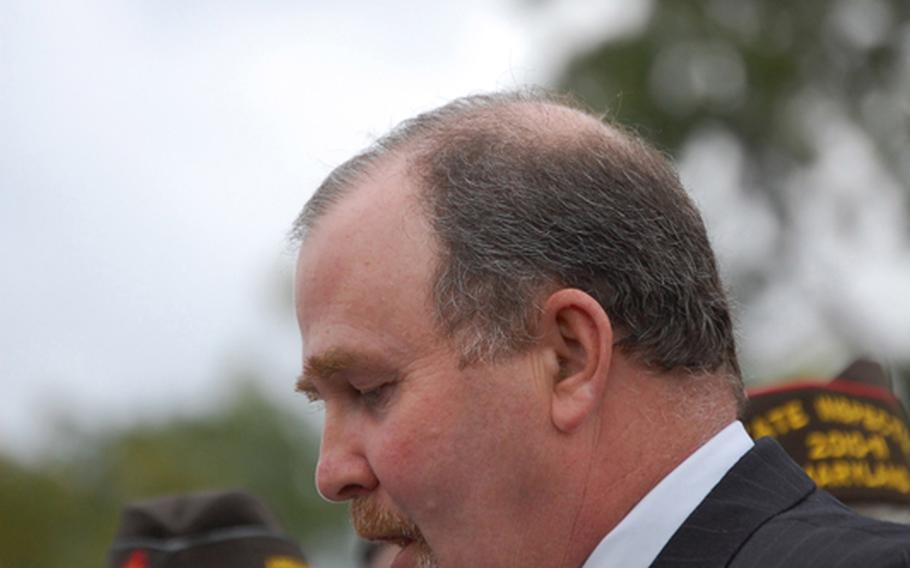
526 193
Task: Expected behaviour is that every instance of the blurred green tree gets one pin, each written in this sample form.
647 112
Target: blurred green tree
63 510
753 67
811 100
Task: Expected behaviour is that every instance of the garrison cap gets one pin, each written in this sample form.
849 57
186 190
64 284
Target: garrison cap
849 433
230 529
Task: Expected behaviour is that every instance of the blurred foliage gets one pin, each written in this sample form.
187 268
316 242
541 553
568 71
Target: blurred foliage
63 510
783 81
755 68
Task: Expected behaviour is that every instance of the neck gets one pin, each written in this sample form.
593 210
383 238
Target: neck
647 426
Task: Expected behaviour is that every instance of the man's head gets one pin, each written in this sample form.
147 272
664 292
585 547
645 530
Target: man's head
524 193
474 292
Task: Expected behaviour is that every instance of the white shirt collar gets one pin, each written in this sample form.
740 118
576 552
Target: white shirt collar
639 537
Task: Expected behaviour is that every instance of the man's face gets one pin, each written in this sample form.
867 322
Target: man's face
421 445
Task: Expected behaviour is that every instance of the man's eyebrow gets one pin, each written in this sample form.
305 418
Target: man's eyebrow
306 387
323 367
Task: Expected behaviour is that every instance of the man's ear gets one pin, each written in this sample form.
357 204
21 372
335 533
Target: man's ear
576 328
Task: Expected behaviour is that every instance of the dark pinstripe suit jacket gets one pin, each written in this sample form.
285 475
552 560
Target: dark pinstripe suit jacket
766 513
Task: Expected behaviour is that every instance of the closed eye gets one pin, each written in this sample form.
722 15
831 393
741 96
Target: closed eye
376 398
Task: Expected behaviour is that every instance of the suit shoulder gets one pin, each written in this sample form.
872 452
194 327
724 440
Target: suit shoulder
822 532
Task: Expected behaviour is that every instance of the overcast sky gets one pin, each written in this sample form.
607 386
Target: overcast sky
153 155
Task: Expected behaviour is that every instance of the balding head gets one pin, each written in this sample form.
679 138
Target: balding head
526 194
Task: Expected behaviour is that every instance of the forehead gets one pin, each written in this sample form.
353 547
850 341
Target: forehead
366 265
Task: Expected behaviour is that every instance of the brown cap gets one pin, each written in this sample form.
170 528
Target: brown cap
849 433
230 529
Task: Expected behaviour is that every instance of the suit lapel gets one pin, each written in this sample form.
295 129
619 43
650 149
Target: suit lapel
763 483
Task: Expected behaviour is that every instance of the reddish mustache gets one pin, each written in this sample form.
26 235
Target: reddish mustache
375 523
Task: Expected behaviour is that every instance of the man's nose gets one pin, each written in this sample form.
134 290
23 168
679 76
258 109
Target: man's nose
343 471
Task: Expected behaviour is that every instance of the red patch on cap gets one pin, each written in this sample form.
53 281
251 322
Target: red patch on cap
138 559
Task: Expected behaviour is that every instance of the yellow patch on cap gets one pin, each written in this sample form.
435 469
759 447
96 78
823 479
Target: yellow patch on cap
284 562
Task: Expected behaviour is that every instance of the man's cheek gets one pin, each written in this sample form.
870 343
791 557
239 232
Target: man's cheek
414 456
419 469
